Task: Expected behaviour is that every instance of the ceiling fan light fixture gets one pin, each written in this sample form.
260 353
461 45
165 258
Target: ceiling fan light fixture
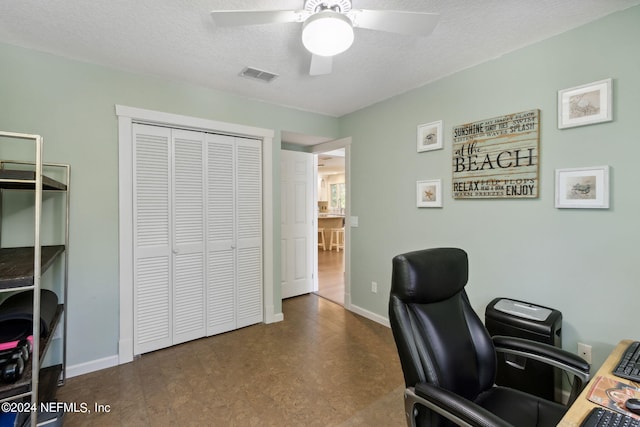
327 33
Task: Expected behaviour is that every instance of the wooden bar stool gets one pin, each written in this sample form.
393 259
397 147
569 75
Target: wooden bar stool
337 239
321 243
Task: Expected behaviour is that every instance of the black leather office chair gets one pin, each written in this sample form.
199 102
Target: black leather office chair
449 359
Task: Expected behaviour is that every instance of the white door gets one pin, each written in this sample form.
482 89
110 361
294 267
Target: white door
168 228
221 266
249 231
197 235
152 251
298 219
189 235
234 230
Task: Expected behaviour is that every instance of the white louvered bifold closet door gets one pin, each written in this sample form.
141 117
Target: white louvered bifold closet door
221 267
189 315
249 231
234 230
152 239
197 235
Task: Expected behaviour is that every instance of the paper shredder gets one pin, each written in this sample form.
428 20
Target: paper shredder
521 319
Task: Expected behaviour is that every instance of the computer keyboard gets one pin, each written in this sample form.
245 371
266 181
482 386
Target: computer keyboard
601 417
629 365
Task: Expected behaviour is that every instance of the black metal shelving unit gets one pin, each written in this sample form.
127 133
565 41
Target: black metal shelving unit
21 269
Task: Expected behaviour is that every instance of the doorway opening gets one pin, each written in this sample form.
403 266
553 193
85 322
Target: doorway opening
335 269
331 213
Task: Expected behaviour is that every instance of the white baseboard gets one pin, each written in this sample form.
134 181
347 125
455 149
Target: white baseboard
92 366
277 317
271 317
370 315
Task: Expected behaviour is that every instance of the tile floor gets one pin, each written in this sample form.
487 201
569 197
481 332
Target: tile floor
321 366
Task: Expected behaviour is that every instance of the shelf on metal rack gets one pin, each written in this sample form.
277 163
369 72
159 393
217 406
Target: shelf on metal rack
16 264
25 180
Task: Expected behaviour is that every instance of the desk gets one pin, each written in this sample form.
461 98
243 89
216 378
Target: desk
581 407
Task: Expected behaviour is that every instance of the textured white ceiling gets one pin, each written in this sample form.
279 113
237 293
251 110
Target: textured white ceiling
178 40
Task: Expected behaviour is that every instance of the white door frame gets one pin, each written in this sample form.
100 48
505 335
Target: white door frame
126 117
322 148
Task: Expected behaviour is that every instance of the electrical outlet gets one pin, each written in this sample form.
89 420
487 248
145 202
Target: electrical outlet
374 287
584 351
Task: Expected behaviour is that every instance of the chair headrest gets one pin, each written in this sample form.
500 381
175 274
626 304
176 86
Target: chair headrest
429 275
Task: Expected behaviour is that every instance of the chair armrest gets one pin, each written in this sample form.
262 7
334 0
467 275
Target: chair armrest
456 408
554 356
545 353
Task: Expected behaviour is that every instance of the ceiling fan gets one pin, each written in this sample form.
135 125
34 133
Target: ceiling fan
328 25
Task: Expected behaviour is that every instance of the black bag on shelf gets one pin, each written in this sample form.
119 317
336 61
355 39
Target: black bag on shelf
16 315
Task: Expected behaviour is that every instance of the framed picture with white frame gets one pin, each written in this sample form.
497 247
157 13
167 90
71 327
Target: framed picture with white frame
586 104
429 193
430 136
586 188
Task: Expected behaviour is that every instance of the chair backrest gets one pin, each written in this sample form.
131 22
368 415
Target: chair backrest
440 339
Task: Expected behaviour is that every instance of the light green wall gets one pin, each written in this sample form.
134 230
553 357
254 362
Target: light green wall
581 262
72 105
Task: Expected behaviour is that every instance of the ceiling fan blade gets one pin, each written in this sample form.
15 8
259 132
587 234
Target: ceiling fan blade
230 18
321 65
393 21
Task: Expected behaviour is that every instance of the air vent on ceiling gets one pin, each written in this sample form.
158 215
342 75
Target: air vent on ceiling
254 73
